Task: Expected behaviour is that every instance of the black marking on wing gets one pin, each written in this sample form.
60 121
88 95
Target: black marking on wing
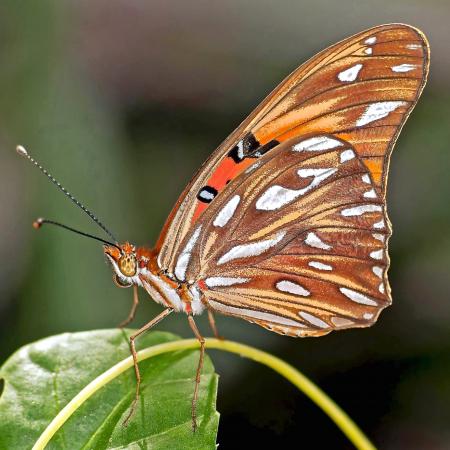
264 149
244 148
207 194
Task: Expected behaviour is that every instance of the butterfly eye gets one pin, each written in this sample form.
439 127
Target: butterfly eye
120 283
127 265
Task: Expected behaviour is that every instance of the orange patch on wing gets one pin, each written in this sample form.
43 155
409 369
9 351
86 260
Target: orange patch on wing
226 171
326 124
291 120
375 165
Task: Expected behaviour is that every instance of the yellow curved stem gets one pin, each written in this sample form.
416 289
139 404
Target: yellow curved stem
339 417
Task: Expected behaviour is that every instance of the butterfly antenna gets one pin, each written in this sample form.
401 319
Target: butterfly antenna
22 152
39 222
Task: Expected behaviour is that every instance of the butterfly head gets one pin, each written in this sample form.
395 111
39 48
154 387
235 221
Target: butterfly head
124 261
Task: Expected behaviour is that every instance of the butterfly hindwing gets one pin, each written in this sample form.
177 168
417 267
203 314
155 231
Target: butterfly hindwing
303 234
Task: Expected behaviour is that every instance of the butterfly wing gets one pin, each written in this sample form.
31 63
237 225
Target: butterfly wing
361 90
298 242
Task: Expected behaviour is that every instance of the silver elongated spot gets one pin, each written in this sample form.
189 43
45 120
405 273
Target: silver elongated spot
185 255
252 249
357 297
275 197
226 213
377 111
403 68
320 266
224 281
313 320
317 143
361 209
292 288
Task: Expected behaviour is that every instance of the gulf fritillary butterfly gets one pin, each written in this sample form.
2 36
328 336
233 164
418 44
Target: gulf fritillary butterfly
285 225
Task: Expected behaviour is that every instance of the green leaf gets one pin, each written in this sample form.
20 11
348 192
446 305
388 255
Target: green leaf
41 378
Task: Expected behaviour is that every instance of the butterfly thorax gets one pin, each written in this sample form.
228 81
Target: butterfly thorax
138 266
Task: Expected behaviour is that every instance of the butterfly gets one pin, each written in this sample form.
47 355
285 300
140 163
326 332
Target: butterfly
285 225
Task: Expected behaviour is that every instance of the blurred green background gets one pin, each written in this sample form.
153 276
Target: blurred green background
122 101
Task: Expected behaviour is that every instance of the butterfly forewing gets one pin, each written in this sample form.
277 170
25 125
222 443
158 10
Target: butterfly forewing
285 225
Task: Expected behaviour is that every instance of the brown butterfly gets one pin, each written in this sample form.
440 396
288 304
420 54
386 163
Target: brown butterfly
285 225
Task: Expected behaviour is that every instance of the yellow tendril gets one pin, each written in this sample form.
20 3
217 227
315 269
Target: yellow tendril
336 414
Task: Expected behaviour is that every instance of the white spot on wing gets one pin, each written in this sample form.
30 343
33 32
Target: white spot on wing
319 265
206 195
240 152
277 196
226 213
317 143
381 288
361 209
378 271
403 68
318 174
252 249
256 315
350 74
368 51
414 46
292 288
379 237
370 194
313 319
357 297
367 316
371 40
379 225
185 255
347 155
314 241
366 178
224 281
377 254
377 111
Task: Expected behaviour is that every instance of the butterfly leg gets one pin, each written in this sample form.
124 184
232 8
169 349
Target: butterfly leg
133 308
133 337
201 339
212 324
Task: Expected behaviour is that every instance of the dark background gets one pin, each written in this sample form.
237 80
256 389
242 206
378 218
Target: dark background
123 100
